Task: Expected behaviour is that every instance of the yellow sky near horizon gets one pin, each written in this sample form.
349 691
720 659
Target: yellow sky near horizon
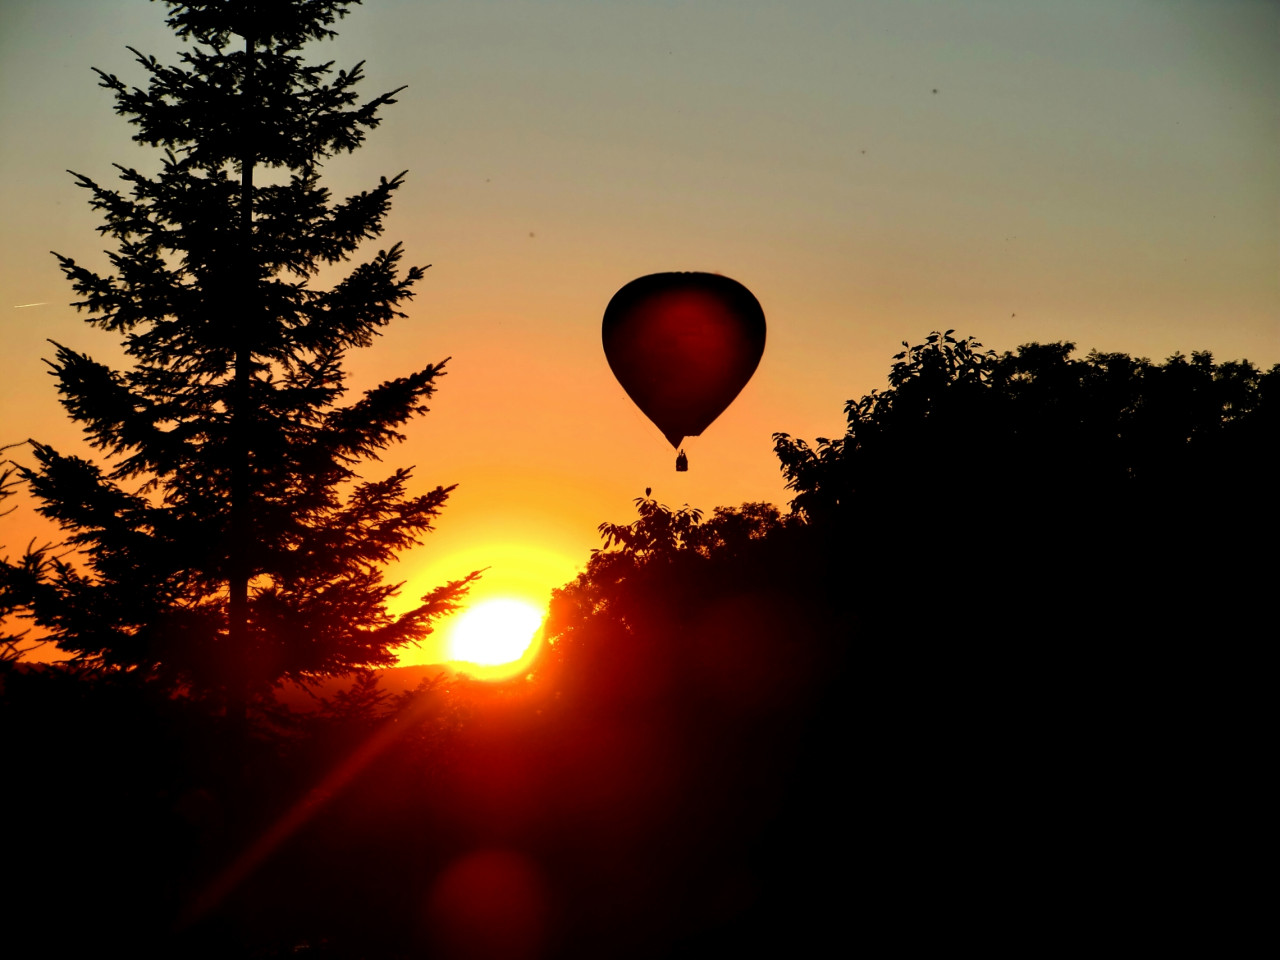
1104 172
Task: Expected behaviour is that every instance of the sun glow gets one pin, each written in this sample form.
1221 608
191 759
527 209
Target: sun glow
495 639
524 566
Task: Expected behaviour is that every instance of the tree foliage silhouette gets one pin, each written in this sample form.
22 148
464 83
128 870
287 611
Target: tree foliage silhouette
990 528
1088 497
28 566
651 583
1003 634
1108 430
230 541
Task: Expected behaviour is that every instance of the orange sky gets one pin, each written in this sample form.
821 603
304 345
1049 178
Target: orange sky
1105 171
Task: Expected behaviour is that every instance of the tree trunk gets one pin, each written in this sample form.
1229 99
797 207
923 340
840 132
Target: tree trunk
241 416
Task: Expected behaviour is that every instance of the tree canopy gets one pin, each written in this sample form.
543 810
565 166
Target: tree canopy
993 656
1097 486
1034 420
232 535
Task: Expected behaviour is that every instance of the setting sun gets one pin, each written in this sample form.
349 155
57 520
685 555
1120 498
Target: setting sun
496 636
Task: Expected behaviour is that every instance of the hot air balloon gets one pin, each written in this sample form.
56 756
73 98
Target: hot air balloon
683 345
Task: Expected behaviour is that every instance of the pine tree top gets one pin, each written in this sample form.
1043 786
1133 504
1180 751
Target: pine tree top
244 93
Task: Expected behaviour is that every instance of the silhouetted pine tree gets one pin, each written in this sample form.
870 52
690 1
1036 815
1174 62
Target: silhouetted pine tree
10 634
229 542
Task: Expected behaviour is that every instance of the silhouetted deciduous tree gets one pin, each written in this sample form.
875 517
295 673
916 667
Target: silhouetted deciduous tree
1110 490
1036 425
994 664
229 540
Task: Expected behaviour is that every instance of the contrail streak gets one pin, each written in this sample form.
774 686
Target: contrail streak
19 306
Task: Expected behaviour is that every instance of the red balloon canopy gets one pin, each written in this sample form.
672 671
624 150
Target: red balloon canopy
683 345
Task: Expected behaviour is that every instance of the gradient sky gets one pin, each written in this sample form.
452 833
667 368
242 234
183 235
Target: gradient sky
1100 171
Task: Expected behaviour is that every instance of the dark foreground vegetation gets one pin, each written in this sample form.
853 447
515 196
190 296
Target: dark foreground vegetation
989 682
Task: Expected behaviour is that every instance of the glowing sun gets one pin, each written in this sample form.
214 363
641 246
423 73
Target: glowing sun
495 635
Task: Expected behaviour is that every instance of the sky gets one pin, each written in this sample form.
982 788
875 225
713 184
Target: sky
1103 171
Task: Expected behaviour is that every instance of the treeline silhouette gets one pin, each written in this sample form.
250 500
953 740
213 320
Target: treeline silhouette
986 683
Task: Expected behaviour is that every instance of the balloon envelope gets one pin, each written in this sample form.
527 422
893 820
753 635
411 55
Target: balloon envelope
683 345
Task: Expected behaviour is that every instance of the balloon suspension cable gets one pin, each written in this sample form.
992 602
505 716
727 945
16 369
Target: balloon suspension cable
682 462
